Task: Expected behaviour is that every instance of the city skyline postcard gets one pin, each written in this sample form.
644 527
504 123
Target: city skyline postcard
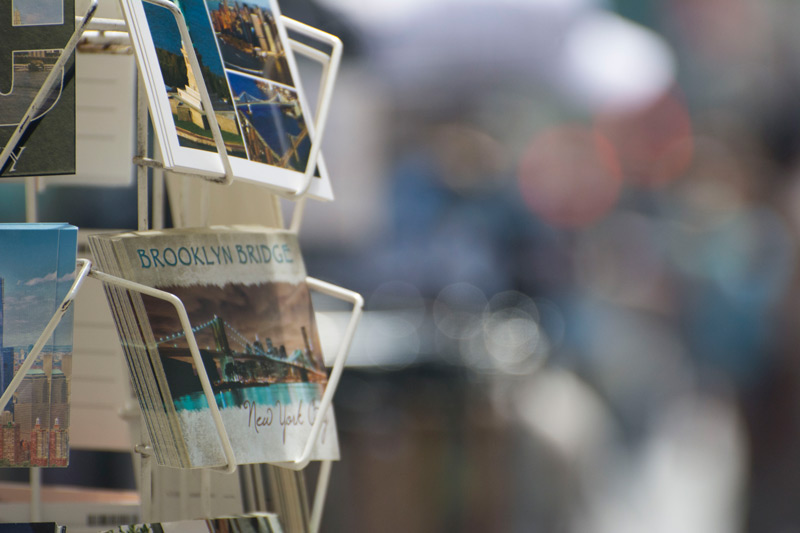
263 87
250 311
251 78
37 268
32 36
248 37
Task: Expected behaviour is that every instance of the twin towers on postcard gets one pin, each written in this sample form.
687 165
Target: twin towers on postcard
37 266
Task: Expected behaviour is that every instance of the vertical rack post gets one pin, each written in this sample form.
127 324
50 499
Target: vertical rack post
158 198
36 494
31 207
146 480
143 221
319 495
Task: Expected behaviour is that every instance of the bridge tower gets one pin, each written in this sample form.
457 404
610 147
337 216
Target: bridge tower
220 337
226 365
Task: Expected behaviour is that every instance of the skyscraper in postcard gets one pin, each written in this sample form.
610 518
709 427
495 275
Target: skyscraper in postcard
36 271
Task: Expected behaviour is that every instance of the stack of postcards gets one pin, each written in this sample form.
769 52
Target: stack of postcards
250 311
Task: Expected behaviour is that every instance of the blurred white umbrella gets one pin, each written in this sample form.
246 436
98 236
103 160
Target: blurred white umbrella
586 53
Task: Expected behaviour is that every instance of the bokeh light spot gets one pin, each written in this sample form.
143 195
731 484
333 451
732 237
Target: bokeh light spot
654 143
400 297
457 310
569 176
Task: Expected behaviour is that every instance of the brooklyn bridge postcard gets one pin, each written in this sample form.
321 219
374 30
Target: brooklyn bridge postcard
250 311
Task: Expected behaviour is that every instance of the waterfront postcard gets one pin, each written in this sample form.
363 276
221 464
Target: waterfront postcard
249 40
251 316
261 80
250 75
271 114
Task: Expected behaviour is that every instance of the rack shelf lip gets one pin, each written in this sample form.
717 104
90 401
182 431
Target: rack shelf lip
147 162
105 24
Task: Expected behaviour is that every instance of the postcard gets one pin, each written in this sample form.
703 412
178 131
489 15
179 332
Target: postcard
250 75
34 279
245 293
32 36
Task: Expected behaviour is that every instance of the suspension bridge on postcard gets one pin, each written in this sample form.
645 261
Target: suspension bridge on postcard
240 360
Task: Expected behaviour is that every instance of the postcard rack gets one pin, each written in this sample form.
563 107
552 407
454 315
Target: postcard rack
330 64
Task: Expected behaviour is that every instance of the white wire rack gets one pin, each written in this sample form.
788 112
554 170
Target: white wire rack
330 65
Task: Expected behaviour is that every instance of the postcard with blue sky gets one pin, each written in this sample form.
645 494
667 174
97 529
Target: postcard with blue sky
37 266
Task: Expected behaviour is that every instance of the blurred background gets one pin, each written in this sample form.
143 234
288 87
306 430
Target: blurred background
575 224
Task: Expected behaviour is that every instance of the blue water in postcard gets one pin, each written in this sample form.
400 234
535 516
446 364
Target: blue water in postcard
268 395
